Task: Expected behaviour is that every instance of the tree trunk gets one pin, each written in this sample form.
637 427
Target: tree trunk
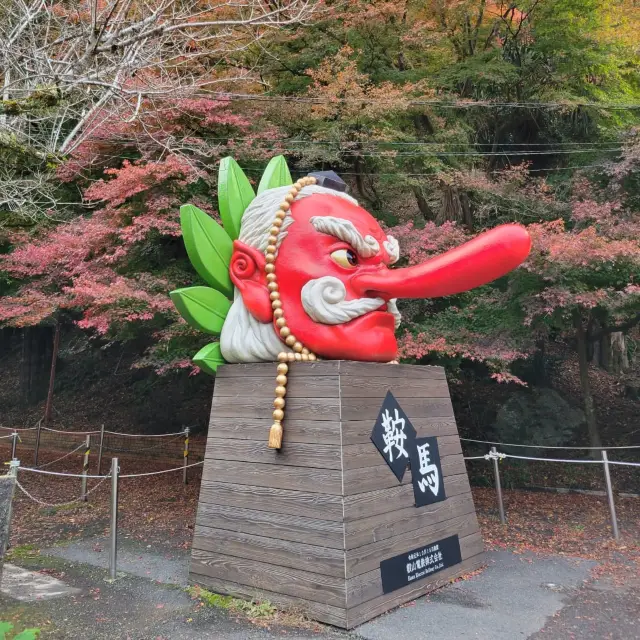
423 205
587 396
455 207
618 353
52 376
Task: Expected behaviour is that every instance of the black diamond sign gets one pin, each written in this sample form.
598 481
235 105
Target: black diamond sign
426 472
394 436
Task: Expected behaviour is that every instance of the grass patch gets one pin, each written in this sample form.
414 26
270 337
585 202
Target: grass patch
260 612
22 552
7 632
254 609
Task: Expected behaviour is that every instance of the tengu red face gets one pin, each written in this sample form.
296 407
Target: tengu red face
330 243
337 290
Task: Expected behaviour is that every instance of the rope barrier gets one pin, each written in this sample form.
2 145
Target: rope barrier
131 475
66 455
553 459
154 473
23 429
139 449
626 464
492 455
71 433
60 504
60 473
137 435
542 446
9 436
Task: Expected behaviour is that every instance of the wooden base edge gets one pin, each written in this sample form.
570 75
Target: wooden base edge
317 611
336 616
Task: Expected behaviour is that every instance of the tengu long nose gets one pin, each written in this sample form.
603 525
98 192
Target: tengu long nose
489 256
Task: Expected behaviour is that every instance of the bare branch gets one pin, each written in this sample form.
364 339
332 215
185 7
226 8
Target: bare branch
70 63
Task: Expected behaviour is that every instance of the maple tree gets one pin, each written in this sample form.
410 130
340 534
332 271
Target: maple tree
580 284
115 265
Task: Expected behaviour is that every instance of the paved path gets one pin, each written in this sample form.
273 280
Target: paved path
170 567
516 596
512 598
31 586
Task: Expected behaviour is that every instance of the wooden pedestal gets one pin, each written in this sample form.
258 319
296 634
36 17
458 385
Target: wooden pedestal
308 526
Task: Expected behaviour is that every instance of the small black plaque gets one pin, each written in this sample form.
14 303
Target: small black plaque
394 435
426 472
420 563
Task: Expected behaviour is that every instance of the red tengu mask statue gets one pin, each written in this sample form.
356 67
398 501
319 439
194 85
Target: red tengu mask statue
312 275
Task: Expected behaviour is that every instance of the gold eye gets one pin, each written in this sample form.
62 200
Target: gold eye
345 258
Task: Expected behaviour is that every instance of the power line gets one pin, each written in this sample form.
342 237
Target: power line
430 175
453 104
402 143
482 154
391 153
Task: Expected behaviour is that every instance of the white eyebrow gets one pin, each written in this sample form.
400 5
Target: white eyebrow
345 230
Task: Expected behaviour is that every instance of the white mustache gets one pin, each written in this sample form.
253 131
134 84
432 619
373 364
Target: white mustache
323 299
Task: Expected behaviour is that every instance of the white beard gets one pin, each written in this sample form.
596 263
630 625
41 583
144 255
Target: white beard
245 339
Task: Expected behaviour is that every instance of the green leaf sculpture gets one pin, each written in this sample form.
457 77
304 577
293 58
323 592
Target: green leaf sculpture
208 246
203 308
235 194
209 358
275 175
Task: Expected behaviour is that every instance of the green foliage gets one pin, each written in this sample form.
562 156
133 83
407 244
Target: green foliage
202 307
209 247
275 175
209 358
250 608
235 193
22 552
28 634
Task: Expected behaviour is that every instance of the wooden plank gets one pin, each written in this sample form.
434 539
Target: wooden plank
314 610
359 431
309 431
320 456
271 525
373 503
358 456
295 503
377 369
380 604
296 555
333 367
268 369
397 523
367 586
260 575
381 477
366 409
276 476
371 387
260 387
368 557
319 409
